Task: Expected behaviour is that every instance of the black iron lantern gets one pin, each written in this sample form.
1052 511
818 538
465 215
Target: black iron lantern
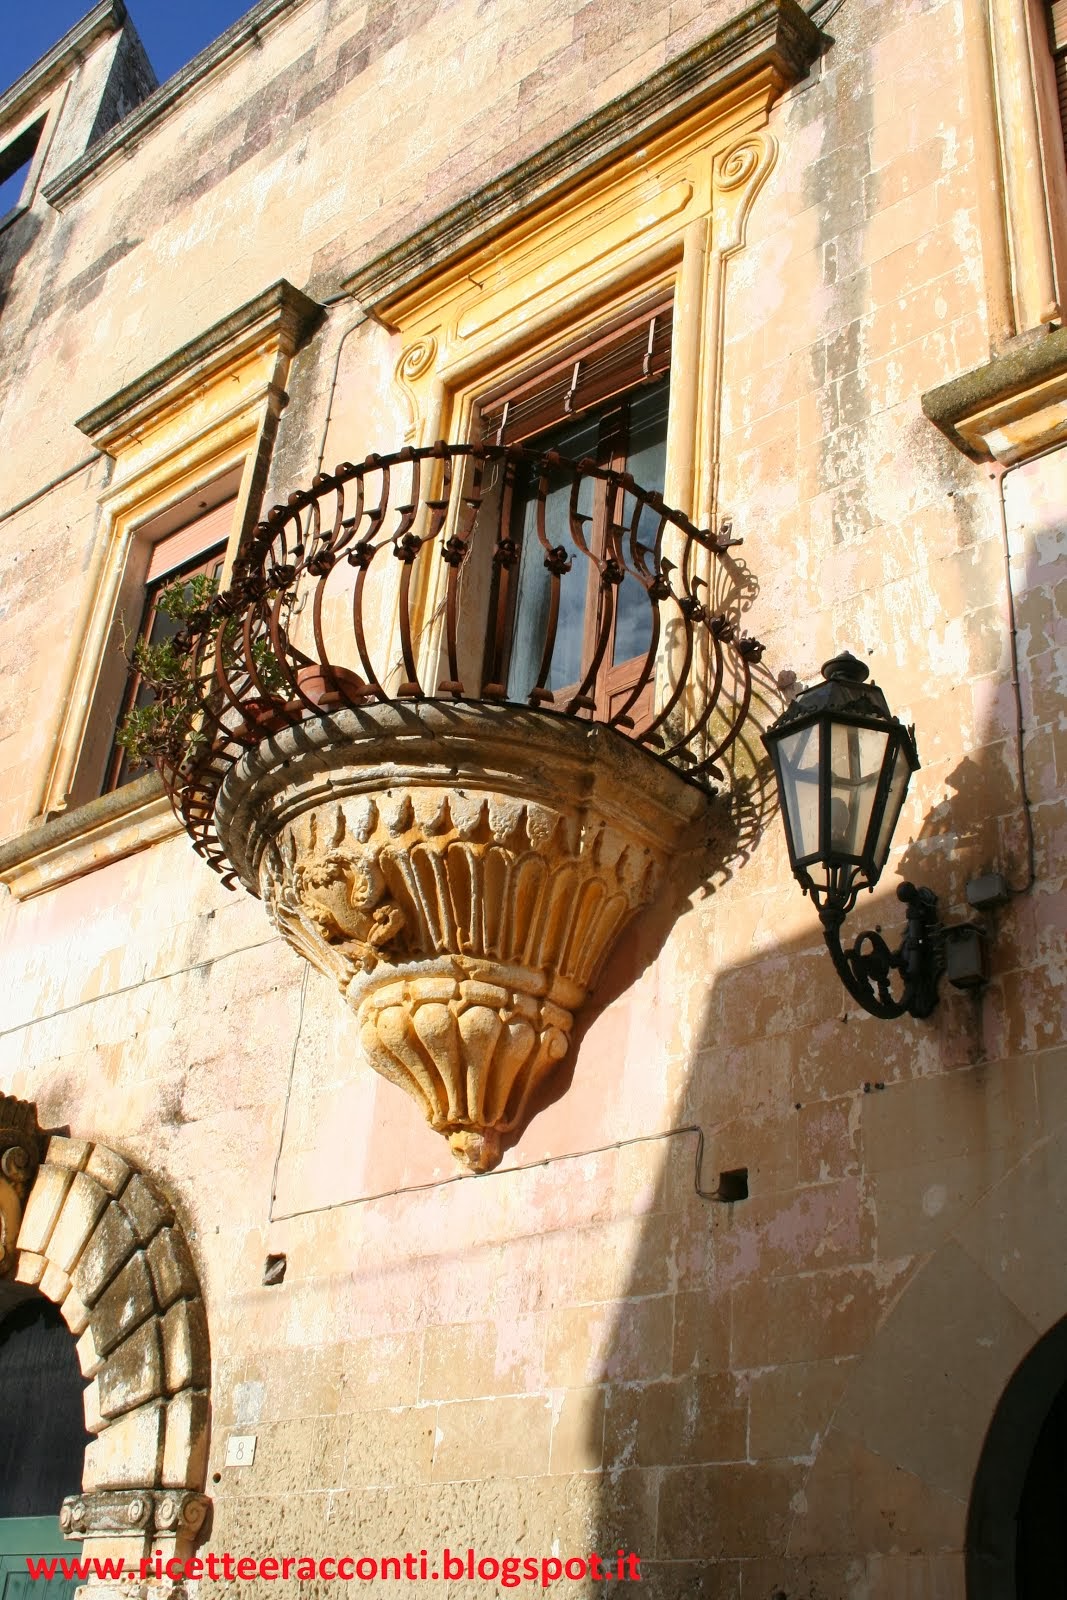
843 763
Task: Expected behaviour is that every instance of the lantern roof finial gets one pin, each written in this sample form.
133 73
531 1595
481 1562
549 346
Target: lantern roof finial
846 666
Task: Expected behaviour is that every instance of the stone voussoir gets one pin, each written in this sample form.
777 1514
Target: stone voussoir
132 1374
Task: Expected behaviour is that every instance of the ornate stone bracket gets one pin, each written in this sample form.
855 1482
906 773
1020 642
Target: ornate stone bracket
178 1513
461 873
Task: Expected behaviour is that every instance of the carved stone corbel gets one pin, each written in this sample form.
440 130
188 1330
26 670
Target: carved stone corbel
20 1155
462 875
177 1512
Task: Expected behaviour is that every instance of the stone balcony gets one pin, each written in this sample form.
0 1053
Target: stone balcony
455 717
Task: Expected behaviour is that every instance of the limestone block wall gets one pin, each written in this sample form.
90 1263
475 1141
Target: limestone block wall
783 1396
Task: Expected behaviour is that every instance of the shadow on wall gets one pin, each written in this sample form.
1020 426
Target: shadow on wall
744 804
740 1323
16 241
792 1394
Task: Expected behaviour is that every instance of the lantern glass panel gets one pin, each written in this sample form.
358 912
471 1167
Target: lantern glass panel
798 766
856 756
898 788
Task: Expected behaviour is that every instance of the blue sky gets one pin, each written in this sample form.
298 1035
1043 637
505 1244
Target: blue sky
173 30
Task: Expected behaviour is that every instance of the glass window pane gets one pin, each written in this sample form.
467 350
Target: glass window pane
798 761
156 627
646 462
898 788
575 440
855 766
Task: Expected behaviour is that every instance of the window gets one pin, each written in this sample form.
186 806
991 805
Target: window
608 402
190 435
16 160
189 534
197 548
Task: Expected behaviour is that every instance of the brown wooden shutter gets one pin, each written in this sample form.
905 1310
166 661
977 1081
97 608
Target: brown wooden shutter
637 352
1057 25
196 538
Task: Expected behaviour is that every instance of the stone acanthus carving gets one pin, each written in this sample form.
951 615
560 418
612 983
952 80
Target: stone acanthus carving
336 893
461 873
465 930
20 1140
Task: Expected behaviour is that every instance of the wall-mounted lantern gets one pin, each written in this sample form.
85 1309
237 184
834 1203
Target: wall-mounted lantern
843 763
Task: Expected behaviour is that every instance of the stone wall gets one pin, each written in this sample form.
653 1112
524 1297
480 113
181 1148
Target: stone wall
787 1395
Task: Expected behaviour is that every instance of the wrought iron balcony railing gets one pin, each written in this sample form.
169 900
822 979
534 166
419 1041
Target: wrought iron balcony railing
523 578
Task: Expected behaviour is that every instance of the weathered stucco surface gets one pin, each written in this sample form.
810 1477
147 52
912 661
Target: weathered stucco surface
787 1395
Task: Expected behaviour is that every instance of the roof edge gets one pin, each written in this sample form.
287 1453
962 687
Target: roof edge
107 17
281 310
105 153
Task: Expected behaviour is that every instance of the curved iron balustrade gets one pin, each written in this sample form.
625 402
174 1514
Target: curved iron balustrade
444 512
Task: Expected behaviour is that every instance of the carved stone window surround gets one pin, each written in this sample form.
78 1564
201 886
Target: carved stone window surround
1012 408
205 417
42 93
1019 155
654 201
105 829
45 114
668 224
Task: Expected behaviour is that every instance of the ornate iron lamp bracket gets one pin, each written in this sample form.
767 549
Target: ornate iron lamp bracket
867 966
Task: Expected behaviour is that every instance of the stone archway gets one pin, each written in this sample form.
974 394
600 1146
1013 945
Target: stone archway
98 1238
1002 1478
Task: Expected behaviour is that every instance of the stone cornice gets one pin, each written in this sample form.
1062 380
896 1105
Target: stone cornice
77 841
1013 407
107 17
106 152
281 313
773 37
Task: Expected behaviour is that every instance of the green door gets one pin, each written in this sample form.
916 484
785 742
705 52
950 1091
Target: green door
42 1443
33 1536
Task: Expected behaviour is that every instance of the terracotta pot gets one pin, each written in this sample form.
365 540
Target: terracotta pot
264 716
330 687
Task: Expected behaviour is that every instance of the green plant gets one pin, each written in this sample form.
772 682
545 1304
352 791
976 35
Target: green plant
166 726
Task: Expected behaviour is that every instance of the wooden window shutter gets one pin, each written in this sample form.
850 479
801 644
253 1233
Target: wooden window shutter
637 352
196 538
1057 26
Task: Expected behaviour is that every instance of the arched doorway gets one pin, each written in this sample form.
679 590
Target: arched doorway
94 1236
1041 1532
42 1441
1016 1530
